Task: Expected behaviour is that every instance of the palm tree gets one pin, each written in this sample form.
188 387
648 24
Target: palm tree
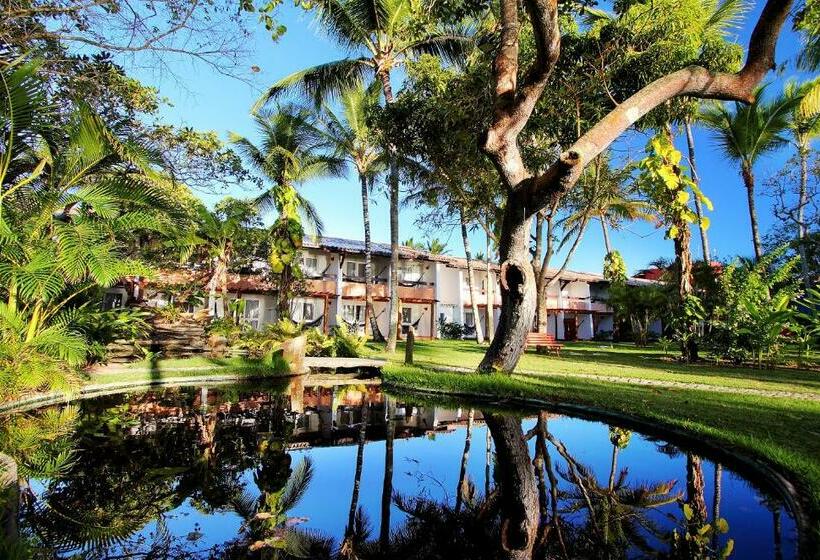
607 198
381 35
745 133
804 126
352 139
465 238
214 236
435 246
292 151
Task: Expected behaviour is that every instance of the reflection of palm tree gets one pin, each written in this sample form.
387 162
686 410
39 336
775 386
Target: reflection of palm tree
268 525
352 536
387 485
618 512
462 492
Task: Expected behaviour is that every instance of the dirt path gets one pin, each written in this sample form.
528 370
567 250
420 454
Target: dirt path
655 383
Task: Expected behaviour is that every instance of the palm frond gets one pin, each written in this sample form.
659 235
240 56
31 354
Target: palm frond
321 82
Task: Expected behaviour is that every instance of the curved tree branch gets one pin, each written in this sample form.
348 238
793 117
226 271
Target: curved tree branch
693 81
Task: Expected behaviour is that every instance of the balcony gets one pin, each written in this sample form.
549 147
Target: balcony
320 286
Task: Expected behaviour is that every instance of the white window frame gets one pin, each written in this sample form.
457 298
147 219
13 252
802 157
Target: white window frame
310 269
305 306
359 266
252 316
353 313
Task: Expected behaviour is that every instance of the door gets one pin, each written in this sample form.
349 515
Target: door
570 328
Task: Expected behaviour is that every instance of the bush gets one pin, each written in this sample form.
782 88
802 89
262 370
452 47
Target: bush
346 343
602 336
318 344
451 331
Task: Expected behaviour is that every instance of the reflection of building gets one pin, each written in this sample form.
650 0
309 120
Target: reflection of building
319 415
432 289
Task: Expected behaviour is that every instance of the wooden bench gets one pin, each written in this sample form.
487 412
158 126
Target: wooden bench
543 341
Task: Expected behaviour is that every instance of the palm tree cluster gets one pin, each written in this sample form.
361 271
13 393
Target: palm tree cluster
70 198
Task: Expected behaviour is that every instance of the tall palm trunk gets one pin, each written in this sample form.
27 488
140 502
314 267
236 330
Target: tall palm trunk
347 545
479 334
605 230
683 264
488 459
393 187
387 483
368 263
716 502
490 310
749 183
803 200
690 143
10 492
695 498
463 481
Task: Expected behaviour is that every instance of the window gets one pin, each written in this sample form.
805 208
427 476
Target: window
307 311
352 313
251 313
411 272
310 266
469 319
406 315
354 269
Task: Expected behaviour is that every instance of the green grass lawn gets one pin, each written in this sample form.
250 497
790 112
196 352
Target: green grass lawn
622 360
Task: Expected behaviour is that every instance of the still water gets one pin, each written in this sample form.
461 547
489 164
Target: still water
318 469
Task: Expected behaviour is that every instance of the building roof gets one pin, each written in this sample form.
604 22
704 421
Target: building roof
405 252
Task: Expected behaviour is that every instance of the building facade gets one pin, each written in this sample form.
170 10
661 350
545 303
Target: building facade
433 289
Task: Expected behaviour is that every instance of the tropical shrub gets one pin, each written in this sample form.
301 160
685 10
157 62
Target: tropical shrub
755 311
319 344
346 343
640 305
451 331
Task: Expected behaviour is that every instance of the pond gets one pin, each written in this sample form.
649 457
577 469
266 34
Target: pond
318 469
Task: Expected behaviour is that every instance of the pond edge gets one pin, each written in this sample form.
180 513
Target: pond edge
806 539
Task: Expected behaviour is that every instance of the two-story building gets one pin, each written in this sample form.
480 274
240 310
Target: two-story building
432 289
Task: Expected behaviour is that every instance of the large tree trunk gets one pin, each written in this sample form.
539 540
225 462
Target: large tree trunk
463 481
518 494
517 291
693 171
368 264
802 201
393 186
479 333
749 182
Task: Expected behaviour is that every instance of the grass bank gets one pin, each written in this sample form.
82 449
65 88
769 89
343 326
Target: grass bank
151 371
619 360
783 433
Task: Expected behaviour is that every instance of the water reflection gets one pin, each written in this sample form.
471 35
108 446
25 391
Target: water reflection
323 469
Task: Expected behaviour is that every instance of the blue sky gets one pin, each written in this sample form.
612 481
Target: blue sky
206 100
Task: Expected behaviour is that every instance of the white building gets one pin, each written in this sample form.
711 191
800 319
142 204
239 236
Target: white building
432 289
